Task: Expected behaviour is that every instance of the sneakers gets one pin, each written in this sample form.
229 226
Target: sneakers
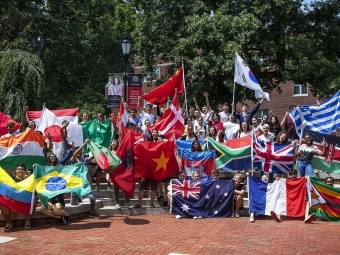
108 188
8 226
200 217
165 203
252 218
237 215
116 206
96 188
128 205
275 216
67 219
28 224
310 218
152 206
93 215
62 220
195 217
136 206
178 216
232 215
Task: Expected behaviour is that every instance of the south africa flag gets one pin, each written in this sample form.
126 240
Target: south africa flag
51 181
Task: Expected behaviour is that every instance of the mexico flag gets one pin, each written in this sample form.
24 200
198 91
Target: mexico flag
51 122
26 148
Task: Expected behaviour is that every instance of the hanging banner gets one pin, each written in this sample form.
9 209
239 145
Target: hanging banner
135 89
114 90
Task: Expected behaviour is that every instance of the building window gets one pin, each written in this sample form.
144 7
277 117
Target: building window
260 113
300 89
156 75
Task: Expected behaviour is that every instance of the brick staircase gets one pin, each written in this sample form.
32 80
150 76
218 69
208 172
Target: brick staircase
105 203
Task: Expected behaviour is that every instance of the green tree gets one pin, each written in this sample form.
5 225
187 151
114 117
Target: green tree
22 80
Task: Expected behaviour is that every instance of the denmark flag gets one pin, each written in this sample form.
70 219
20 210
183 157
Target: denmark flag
172 121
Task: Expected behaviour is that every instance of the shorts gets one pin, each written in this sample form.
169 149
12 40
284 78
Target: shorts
167 179
145 184
57 199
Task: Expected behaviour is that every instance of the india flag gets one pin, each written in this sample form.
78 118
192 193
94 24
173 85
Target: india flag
284 197
26 148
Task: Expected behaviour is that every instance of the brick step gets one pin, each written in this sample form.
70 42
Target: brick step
110 210
132 202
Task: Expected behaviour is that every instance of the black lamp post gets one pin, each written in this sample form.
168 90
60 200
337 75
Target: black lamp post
126 44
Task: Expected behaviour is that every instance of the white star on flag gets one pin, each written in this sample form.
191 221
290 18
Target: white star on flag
207 197
185 207
216 212
226 194
217 186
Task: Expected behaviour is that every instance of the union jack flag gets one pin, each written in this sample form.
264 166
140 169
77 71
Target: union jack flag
274 158
186 189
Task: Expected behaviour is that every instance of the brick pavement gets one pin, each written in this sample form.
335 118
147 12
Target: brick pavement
163 234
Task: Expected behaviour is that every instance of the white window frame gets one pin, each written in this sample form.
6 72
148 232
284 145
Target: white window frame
300 89
260 113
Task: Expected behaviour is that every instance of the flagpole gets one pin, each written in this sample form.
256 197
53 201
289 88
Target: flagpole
252 153
185 90
233 106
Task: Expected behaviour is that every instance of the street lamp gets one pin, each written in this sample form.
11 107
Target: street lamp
126 44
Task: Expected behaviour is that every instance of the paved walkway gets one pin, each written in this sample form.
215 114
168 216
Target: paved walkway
163 234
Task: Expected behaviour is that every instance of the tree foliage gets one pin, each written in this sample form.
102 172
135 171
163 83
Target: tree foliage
59 52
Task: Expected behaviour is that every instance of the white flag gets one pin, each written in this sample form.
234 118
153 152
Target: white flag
245 77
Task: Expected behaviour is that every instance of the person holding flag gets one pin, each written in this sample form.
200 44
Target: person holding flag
305 153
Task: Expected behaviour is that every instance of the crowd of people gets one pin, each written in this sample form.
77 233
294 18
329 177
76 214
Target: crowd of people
200 123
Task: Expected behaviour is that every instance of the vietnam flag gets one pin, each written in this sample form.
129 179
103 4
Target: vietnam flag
124 176
172 121
155 160
166 89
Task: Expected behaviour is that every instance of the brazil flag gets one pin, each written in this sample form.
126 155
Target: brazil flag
51 181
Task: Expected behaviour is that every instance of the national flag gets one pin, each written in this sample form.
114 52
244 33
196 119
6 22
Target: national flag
245 77
324 199
324 119
50 181
4 118
233 155
172 121
16 196
26 148
162 92
49 122
99 133
274 158
284 197
155 160
331 161
212 199
124 175
201 162
105 159
123 119
183 145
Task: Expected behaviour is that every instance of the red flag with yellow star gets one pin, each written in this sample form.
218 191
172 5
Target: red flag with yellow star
155 160
166 89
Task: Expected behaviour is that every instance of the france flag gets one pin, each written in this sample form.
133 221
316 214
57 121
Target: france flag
284 197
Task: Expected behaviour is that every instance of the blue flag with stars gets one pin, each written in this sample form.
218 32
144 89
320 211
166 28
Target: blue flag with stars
211 199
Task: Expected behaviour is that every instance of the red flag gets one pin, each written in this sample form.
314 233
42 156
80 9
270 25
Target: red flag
166 89
172 121
124 176
155 160
3 124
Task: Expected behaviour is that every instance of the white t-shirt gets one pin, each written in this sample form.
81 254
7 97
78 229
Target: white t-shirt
224 117
230 130
206 116
267 138
201 134
8 135
146 116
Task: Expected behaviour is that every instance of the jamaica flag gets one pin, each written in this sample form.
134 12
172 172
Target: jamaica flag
51 181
